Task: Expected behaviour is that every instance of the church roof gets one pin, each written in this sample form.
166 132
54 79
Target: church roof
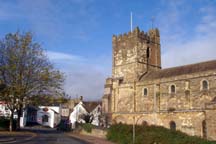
181 70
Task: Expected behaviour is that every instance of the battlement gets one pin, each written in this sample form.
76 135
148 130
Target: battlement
151 34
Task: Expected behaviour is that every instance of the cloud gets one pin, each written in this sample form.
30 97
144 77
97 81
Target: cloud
57 56
181 46
86 81
83 76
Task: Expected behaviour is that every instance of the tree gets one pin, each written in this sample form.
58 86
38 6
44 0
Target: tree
26 72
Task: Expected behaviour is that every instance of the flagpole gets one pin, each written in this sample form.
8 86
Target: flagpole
131 22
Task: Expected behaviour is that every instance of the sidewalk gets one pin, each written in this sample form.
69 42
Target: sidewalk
90 139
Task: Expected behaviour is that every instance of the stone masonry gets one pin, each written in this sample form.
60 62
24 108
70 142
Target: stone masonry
139 91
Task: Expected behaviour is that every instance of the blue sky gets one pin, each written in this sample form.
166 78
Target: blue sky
77 33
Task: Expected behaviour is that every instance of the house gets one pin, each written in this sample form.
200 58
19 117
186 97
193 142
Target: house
86 112
94 109
49 116
4 111
78 114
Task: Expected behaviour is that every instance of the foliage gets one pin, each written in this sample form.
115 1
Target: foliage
26 72
122 134
87 127
4 123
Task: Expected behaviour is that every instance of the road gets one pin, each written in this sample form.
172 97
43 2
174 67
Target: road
49 136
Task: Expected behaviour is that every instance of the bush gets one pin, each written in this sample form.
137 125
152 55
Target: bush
123 134
4 124
87 127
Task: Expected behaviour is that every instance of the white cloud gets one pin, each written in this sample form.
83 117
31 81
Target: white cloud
56 56
84 77
185 47
193 51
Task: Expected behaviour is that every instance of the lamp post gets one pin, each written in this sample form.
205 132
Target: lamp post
134 130
134 127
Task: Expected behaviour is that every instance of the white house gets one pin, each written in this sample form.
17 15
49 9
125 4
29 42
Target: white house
82 109
49 116
96 114
4 111
77 115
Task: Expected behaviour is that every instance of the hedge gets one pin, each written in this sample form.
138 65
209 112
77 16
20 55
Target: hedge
123 134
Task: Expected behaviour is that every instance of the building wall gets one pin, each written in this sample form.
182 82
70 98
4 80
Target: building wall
160 107
188 122
190 107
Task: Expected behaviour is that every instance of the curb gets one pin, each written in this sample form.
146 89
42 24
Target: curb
13 140
7 140
89 139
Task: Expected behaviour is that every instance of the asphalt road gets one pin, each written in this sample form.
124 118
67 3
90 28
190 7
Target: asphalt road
49 136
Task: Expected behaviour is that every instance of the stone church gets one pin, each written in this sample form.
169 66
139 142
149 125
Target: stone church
141 92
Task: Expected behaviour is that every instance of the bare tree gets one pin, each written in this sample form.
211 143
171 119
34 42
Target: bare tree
26 72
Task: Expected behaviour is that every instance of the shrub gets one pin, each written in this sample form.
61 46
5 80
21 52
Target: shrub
4 123
87 127
123 134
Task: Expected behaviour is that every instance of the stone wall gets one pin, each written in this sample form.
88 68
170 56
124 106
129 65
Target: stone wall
188 122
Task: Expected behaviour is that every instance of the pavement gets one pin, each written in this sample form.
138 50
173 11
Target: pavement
89 139
40 135
7 137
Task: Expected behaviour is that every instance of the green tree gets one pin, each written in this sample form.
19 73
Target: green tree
26 72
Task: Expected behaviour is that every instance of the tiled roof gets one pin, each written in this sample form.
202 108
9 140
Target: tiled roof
91 105
181 70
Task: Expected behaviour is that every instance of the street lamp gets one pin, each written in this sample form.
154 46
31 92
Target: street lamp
134 127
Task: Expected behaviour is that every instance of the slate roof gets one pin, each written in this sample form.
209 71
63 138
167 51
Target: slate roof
91 105
181 70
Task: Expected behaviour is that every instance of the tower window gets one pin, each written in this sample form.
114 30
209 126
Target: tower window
205 85
147 53
172 89
145 92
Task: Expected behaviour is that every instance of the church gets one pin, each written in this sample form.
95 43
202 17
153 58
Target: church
140 91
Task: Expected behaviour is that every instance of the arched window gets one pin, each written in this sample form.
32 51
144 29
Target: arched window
205 85
172 89
172 125
145 91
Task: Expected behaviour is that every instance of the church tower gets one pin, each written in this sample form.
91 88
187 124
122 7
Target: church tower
135 54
